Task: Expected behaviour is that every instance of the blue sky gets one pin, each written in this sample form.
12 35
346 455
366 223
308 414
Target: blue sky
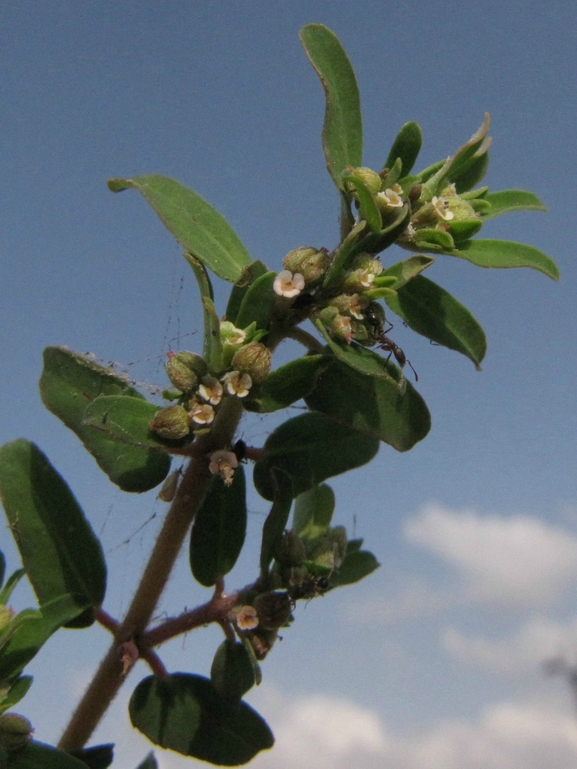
435 660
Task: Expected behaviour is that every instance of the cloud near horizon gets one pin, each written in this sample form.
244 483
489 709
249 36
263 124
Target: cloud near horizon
518 562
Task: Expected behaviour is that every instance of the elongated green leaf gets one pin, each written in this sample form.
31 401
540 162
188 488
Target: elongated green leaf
212 349
59 550
34 629
185 713
311 448
511 200
342 130
431 311
506 254
125 419
232 671
357 565
11 582
276 521
406 146
18 691
258 303
363 360
405 271
288 384
249 274
313 511
372 405
69 383
343 255
37 755
219 529
2 568
195 224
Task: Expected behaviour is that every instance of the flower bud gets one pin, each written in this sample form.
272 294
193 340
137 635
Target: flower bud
290 550
273 610
350 304
184 369
309 262
15 731
171 422
338 326
370 178
253 359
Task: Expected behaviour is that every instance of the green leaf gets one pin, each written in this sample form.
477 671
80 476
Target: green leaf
375 242
276 521
195 224
311 448
2 568
97 757
406 146
258 303
405 271
313 511
34 629
185 713
13 579
232 671
357 565
59 550
125 419
431 311
464 229
343 255
372 404
368 209
69 383
431 238
149 762
18 691
249 274
504 201
37 755
342 130
219 529
506 254
288 384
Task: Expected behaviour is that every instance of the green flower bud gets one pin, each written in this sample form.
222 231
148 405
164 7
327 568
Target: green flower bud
273 610
370 178
367 262
171 422
338 326
15 731
184 369
350 304
253 359
309 262
290 550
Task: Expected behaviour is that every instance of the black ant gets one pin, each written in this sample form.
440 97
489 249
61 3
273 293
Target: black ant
375 317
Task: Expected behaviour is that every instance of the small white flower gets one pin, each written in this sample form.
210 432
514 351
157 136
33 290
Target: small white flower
202 414
287 284
223 463
230 334
211 390
237 384
441 206
245 617
391 198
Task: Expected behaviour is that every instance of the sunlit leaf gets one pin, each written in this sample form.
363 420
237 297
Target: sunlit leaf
69 383
313 511
124 418
249 274
406 146
195 224
506 254
342 134
258 302
17 692
288 384
504 201
356 566
431 311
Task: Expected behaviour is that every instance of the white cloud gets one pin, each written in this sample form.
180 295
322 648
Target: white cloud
519 561
538 640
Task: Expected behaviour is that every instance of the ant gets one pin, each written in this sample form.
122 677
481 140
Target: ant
375 317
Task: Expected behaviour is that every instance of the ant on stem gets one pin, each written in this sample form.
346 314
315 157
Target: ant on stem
377 320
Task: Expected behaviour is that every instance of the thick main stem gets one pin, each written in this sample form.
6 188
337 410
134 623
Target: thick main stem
191 491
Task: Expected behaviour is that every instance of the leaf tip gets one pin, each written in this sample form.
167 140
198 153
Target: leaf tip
117 185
